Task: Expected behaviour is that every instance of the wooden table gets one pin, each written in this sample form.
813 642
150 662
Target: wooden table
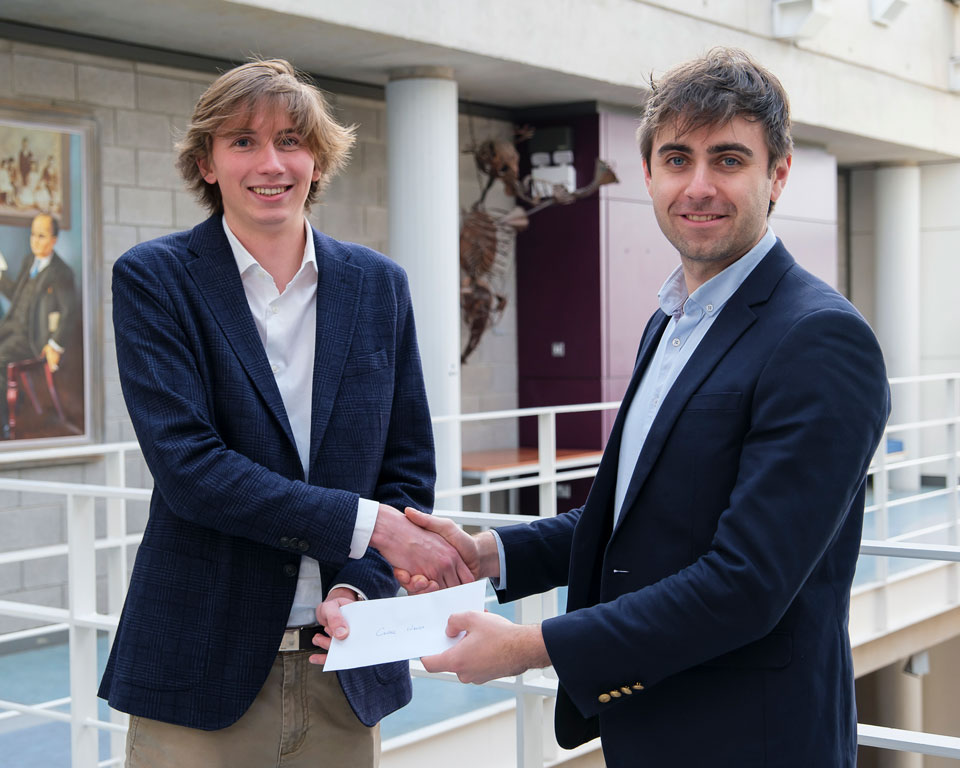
486 466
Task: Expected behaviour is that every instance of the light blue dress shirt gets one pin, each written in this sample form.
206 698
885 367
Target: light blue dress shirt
691 316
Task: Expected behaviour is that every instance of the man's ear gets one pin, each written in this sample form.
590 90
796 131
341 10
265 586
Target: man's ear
780 172
206 170
646 174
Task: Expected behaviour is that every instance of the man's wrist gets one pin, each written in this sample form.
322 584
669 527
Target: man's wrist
488 555
534 652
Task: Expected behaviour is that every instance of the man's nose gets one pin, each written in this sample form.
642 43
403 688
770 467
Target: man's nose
269 159
700 184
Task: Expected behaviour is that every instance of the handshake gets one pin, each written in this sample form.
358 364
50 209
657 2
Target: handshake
429 553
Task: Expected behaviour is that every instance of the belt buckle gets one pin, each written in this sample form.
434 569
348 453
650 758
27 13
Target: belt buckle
291 640
299 638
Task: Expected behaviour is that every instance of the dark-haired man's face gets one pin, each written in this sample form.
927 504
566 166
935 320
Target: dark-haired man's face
711 190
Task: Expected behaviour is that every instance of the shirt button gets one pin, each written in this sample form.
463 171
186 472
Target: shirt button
709 307
274 368
274 309
676 342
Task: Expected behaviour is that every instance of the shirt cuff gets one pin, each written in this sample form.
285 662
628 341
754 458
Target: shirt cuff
349 586
500 583
363 530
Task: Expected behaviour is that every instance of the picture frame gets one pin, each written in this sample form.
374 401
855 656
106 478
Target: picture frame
50 303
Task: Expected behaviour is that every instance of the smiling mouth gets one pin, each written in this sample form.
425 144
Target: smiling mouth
269 191
702 217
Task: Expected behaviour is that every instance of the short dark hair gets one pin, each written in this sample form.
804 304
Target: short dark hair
237 94
723 84
54 224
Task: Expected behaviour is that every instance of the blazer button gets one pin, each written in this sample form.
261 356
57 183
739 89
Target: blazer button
290 569
303 546
626 690
294 543
603 698
615 693
284 541
637 687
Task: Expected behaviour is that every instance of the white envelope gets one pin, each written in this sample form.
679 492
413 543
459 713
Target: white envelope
400 628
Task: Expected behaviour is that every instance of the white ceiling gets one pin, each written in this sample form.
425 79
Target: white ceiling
232 31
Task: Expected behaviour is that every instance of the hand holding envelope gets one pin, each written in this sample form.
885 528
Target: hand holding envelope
399 628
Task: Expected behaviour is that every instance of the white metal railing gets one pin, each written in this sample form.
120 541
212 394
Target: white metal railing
83 621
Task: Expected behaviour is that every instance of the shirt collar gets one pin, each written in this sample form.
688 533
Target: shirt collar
713 294
246 261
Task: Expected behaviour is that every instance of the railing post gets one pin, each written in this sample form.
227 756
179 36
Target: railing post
953 481
116 558
547 453
881 492
529 706
82 573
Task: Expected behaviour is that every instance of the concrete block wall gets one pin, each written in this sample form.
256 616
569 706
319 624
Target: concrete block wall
138 109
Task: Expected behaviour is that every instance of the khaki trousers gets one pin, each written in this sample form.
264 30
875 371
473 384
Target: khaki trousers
300 719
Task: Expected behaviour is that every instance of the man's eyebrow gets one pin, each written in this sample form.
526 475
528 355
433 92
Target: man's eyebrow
673 147
733 146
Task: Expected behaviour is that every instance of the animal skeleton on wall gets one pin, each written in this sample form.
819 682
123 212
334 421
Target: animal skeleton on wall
487 235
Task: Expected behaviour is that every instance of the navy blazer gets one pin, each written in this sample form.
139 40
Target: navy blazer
231 511
725 589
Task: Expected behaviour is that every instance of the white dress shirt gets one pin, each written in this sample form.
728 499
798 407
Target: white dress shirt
287 324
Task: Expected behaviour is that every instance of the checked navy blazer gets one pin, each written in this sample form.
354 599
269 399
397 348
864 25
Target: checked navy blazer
215 575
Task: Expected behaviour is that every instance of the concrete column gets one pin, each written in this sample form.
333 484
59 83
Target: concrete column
424 217
897 298
899 705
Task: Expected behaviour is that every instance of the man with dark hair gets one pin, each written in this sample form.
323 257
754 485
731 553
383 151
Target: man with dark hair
43 303
709 571
273 378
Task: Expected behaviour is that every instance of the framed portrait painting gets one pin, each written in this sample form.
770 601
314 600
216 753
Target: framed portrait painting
49 302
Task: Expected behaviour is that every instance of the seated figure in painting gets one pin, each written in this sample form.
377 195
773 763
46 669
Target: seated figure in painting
43 304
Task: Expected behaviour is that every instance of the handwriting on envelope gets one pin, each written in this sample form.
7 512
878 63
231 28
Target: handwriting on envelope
400 628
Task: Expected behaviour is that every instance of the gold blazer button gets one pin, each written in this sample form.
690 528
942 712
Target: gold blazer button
603 698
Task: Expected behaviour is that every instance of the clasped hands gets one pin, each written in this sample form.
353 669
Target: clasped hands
493 646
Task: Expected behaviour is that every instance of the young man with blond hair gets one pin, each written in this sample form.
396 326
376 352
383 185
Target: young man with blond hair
273 378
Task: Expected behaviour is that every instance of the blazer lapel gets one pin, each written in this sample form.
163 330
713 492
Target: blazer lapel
606 477
735 318
338 304
216 275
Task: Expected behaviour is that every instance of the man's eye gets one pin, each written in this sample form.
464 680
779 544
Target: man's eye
676 162
730 162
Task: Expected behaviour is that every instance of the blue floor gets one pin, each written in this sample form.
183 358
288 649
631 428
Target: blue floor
43 674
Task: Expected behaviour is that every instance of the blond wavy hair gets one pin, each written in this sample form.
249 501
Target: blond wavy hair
237 94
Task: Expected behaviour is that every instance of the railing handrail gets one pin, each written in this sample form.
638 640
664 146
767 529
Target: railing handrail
83 620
